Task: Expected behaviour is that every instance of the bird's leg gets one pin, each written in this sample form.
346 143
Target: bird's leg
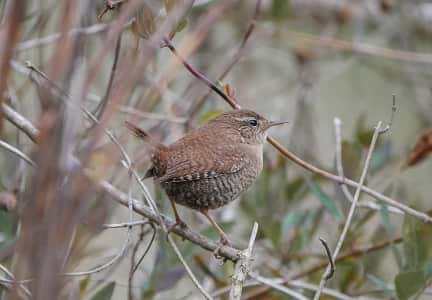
223 237
178 221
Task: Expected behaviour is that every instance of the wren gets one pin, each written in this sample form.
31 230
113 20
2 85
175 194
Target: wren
212 165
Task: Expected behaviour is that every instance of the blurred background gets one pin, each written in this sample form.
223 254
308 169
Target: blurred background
305 61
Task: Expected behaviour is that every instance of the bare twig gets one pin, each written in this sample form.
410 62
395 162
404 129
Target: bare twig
125 244
29 44
102 104
297 284
11 280
134 266
330 258
246 37
20 122
407 56
242 267
340 170
392 115
125 224
278 286
147 248
17 152
9 35
234 59
339 244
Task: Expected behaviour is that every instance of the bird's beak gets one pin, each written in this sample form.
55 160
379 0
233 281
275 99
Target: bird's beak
271 123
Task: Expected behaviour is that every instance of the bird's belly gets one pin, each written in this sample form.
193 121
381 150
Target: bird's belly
210 193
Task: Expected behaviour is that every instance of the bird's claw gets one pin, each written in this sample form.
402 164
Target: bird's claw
224 241
178 223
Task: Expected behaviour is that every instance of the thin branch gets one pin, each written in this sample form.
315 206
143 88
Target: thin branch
342 237
392 115
20 122
142 114
291 156
11 281
147 248
200 75
325 291
134 266
297 284
125 244
242 267
407 56
340 170
246 36
17 152
102 104
29 44
235 58
330 258
278 286
125 224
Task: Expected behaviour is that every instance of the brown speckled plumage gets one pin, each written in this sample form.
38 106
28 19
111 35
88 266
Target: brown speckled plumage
213 164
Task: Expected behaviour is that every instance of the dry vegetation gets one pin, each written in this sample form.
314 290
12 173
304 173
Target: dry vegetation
340 211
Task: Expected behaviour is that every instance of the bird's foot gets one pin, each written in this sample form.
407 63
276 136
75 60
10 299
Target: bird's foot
178 223
223 241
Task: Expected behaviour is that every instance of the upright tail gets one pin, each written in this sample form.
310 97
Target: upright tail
140 133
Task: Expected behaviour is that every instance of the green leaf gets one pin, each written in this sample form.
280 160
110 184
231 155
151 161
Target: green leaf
169 4
105 293
293 187
351 158
83 286
292 218
409 283
363 133
417 243
182 25
379 283
380 156
328 202
385 215
280 8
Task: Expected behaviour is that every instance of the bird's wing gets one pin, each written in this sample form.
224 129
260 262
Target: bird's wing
185 164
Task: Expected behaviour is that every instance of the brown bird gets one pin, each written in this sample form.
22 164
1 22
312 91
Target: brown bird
212 165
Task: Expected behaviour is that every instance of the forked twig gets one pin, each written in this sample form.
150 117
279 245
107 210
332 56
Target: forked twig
342 237
242 267
330 258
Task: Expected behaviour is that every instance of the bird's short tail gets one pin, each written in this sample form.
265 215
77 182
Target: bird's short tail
140 133
137 131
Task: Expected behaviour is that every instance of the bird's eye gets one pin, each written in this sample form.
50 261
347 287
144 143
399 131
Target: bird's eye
253 122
